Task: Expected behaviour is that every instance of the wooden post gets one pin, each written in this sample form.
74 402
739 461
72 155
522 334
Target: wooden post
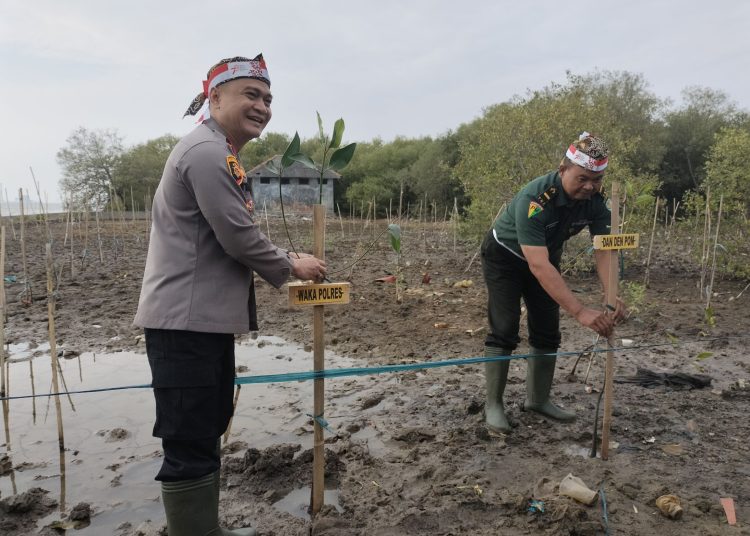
55 365
319 217
611 299
651 242
27 298
2 312
10 214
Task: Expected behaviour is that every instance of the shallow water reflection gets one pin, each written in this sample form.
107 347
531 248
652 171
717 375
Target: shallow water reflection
111 455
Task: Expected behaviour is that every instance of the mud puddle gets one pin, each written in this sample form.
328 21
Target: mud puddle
110 455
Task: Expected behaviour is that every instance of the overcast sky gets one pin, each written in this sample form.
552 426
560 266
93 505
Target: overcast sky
388 68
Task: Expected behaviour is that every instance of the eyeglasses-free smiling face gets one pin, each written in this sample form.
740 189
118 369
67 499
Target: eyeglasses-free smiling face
243 108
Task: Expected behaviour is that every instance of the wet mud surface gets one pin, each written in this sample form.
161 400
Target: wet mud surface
408 453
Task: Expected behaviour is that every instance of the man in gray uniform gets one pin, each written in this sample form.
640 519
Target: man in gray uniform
198 288
521 259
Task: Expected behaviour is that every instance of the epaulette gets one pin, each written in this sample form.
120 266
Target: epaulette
547 195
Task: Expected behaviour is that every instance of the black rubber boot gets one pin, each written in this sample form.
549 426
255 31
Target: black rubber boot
496 375
192 508
539 376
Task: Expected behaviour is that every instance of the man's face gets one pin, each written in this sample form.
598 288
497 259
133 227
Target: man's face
579 183
242 107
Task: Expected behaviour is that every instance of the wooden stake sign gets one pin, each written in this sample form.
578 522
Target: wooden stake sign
318 295
612 243
301 293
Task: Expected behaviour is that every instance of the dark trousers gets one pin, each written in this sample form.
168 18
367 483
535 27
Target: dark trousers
193 380
509 279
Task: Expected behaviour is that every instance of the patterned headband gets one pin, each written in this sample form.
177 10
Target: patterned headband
577 156
224 72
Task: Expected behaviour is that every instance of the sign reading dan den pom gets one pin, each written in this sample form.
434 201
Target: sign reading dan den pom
616 241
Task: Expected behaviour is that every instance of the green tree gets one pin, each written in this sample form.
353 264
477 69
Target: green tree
267 146
88 162
690 132
516 141
726 170
139 170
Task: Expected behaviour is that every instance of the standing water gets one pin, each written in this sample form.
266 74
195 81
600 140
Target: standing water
111 456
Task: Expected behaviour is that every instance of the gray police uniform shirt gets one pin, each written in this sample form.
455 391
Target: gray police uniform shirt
541 214
204 245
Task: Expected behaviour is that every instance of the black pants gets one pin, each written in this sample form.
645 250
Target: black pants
193 380
509 279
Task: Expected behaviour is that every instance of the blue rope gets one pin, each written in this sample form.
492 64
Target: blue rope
605 515
366 371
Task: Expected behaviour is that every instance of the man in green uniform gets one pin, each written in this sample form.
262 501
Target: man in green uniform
521 259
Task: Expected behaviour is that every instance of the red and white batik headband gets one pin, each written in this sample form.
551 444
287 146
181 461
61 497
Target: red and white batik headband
580 158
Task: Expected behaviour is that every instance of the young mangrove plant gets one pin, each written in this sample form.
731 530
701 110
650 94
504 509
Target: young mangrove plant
335 157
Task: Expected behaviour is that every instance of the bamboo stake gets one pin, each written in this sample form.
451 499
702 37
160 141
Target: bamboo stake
651 242
705 248
341 220
713 261
454 217
132 205
99 236
10 215
26 300
2 312
611 299
42 207
318 485
55 365
33 389
401 201
72 253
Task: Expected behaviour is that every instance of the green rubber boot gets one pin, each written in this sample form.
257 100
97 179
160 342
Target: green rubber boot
539 376
192 508
496 375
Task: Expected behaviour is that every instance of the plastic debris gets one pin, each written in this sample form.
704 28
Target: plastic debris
728 504
575 488
669 506
536 506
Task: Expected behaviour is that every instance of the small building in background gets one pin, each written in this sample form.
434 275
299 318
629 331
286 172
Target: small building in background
299 185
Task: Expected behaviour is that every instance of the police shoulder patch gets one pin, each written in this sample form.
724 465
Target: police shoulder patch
235 169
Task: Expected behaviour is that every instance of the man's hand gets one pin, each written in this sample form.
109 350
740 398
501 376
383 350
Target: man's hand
599 321
621 311
308 267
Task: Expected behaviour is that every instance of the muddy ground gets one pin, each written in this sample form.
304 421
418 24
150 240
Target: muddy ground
411 456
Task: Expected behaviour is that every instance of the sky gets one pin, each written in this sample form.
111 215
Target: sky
389 68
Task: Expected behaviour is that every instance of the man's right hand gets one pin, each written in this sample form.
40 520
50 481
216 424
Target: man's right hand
599 321
308 268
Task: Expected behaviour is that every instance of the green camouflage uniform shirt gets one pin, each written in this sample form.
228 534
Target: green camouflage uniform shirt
541 214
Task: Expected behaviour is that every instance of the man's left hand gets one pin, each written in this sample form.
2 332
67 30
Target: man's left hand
621 311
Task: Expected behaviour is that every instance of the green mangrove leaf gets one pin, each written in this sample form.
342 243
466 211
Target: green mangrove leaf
341 157
304 160
320 128
395 233
273 167
704 355
292 149
338 134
